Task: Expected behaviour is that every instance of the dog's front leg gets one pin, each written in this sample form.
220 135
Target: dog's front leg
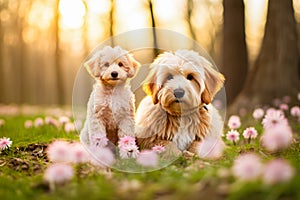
97 130
194 146
126 127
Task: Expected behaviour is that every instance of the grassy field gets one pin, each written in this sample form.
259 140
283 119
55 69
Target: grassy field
22 167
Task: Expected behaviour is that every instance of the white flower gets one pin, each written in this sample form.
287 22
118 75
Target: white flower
247 167
258 113
250 132
234 122
59 173
276 138
38 122
28 124
5 143
233 136
59 151
277 171
128 151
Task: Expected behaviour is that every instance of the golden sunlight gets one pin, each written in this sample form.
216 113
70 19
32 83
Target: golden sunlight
72 13
99 6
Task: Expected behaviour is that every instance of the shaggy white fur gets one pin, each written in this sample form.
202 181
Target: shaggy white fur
110 109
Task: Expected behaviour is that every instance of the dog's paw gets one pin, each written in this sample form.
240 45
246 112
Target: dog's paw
188 154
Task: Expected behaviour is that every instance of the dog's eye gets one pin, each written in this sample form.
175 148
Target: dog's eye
120 64
190 77
106 64
170 76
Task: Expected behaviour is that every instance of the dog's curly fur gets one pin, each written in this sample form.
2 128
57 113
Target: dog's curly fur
110 108
180 88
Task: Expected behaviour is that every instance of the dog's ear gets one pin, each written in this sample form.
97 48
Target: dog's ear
134 66
93 65
214 81
150 86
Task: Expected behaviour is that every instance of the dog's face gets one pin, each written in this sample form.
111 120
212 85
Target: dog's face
183 81
112 65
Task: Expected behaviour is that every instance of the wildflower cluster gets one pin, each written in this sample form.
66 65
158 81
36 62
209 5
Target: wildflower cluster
249 167
63 122
62 155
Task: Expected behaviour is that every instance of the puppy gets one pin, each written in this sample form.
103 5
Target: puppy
110 109
180 88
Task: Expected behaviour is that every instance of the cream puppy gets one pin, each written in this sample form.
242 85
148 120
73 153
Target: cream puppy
180 88
110 109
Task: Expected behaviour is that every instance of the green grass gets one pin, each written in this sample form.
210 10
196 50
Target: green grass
186 178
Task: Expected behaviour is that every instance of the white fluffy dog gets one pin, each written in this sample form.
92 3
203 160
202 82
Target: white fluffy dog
180 88
110 109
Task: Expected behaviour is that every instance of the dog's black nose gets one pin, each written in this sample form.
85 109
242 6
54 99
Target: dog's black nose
179 93
114 74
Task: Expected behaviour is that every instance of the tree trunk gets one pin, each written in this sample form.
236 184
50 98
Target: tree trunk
2 87
111 18
156 50
235 59
58 70
276 70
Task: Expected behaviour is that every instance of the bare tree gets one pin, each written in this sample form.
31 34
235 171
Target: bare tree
276 70
235 59
58 66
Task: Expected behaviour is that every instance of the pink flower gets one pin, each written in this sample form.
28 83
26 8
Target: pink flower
69 127
63 119
233 136
295 111
247 167
211 148
79 153
126 140
250 133
59 173
147 158
258 113
276 138
28 124
5 143
234 122
38 122
158 149
277 171
298 96
102 157
2 122
51 121
99 140
283 106
274 118
128 151
59 151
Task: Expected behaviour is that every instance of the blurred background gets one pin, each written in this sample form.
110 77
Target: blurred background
44 42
